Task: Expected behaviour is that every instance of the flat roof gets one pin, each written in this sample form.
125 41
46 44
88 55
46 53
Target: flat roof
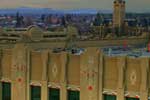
129 51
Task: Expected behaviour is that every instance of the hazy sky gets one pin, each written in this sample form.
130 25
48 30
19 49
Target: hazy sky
132 5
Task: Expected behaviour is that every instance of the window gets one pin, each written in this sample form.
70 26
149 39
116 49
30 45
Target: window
35 93
54 94
109 97
128 98
73 95
6 91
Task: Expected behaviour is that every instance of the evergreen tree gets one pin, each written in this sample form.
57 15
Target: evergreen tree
63 21
98 20
17 19
43 18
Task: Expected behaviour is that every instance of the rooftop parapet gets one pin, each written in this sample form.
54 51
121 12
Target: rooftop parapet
34 33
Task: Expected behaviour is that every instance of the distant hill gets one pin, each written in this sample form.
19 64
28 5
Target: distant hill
29 10
88 11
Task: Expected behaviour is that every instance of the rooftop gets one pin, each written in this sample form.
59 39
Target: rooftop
131 51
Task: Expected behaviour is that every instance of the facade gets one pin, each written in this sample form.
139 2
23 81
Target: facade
30 68
31 74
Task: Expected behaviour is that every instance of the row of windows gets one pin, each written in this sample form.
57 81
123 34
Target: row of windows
112 97
54 94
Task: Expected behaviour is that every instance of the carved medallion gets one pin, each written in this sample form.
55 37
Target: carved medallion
54 70
133 77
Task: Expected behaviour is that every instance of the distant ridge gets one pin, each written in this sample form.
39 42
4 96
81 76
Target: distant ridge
30 10
88 11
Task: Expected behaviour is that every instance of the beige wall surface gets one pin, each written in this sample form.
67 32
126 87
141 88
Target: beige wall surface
36 66
133 74
110 73
54 68
92 73
74 70
19 72
89 74
6 63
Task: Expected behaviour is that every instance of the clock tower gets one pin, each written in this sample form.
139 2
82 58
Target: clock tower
119 15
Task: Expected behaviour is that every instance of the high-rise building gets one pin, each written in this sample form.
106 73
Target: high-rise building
119 14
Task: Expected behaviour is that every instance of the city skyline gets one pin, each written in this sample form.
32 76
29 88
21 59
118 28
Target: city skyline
131 6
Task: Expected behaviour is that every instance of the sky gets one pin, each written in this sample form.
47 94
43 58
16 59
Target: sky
131 5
